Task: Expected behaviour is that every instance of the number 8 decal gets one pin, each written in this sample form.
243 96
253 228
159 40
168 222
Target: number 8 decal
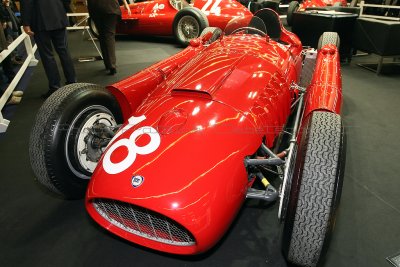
133 149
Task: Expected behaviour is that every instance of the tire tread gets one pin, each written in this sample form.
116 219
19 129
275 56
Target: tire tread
317 189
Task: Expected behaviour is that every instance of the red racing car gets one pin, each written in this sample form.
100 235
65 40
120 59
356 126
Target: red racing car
176 17
167 157
295 6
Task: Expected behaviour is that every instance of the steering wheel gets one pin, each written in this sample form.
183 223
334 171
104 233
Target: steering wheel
251 29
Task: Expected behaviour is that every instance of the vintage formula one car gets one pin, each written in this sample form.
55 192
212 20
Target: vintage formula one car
295 6
176 18
168 156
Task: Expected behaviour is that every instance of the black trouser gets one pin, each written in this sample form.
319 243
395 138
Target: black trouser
8 68
45 41
106 25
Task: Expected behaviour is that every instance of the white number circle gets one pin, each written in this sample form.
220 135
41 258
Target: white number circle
150 147
115 168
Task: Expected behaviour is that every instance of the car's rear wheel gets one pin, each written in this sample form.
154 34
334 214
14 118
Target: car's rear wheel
92 28
70 133
188 23
329 38
293 7
316 189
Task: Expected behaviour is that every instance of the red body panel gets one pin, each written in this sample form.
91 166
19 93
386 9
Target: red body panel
156 17
131 91
325 91
201 112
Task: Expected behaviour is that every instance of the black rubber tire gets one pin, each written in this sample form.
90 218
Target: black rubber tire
57 121
197 16
92 28
329 38
293 7
216 33
316 190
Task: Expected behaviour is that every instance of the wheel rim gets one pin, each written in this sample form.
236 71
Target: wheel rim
188 28
83 146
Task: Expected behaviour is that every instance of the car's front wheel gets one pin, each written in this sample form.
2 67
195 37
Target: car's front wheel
188 23
329 38
315 191
71 131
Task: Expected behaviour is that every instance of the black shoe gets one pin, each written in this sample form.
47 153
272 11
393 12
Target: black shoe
47 94
112 71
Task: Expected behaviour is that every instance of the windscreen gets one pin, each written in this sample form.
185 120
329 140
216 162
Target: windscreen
249 25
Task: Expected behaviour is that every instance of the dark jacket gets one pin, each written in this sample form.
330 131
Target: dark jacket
104 7
44 15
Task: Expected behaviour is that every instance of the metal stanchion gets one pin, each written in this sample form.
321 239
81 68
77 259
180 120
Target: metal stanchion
82 25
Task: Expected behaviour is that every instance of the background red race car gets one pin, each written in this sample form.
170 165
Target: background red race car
173 151
177 17
295 6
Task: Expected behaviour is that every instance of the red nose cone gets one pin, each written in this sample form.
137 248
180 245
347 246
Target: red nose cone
329 49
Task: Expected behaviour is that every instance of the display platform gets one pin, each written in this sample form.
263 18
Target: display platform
387 68
311 24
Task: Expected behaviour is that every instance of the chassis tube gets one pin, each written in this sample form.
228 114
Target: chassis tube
287 176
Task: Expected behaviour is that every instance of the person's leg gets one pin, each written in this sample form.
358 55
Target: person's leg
20 50
60 43
43 42
110 23
8 69
100 24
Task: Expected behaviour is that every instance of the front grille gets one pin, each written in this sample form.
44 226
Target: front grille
143 222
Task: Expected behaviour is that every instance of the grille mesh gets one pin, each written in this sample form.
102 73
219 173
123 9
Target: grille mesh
143 222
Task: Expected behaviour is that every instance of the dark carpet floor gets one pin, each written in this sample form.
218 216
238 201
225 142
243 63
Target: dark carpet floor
38 229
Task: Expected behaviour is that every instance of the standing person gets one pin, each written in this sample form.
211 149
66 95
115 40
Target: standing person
6 63
12 30
105 14
46 21
15 98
